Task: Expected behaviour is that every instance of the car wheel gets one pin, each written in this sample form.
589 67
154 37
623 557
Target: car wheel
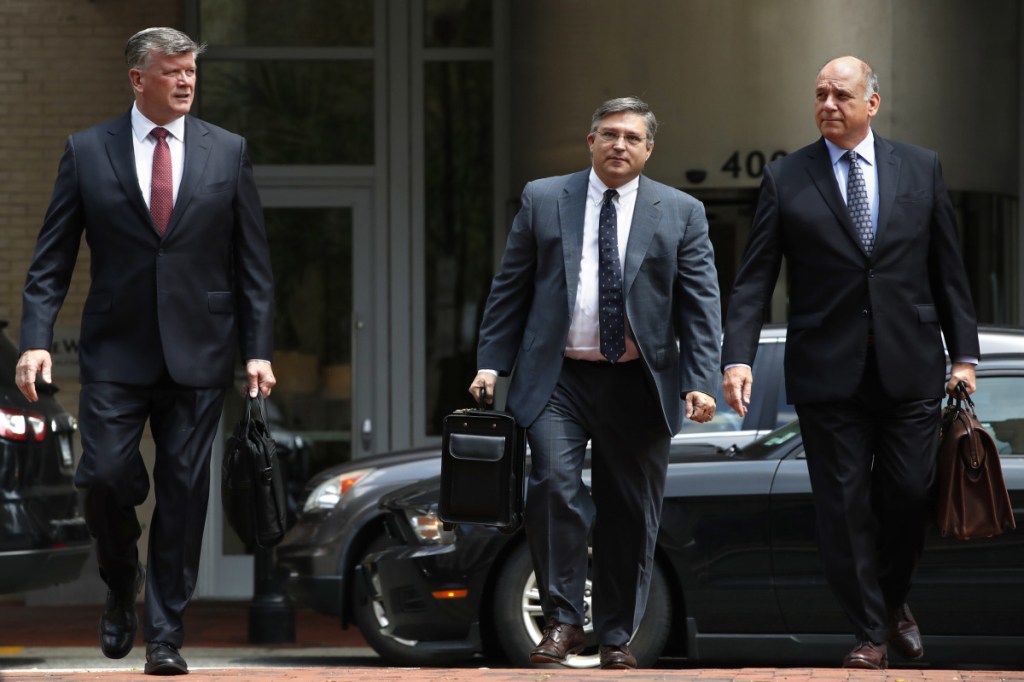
371 617
519 619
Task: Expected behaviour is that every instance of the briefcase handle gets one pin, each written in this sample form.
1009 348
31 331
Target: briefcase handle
261 406
961 394
480 401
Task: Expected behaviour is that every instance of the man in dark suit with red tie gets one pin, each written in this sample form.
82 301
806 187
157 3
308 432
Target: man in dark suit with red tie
876 281
180 281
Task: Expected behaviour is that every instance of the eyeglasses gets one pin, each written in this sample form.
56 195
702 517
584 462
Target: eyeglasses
611 137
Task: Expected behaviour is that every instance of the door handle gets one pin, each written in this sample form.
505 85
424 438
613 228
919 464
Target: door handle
367 433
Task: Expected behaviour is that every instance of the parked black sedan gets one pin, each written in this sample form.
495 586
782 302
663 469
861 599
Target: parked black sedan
734 555
737 578
43 539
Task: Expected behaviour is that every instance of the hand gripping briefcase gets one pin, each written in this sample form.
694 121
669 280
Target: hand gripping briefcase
483 460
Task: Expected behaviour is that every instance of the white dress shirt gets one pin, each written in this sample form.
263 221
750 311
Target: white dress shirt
144 145
584 342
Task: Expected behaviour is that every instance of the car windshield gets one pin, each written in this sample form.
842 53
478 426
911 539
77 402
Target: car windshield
765 447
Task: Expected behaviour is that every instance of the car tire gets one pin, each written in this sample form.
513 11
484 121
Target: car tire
370 617
519 620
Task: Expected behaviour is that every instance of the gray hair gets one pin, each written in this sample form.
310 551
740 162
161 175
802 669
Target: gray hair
622 105
870 81
169 42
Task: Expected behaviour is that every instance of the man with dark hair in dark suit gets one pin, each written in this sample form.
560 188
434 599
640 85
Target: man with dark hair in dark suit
875 282
607 305
180 279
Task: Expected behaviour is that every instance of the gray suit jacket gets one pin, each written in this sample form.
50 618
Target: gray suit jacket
669 282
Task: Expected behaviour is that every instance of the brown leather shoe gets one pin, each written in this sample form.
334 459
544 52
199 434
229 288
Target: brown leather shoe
904 635
560 641
867 656
617 658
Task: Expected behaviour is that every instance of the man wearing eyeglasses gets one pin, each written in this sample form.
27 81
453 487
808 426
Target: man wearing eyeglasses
607 306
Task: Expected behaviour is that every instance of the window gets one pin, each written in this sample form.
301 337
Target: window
1000 410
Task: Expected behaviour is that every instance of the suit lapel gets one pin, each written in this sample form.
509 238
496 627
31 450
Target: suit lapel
646 216
572 206
819 165
121 152
888 180
197 153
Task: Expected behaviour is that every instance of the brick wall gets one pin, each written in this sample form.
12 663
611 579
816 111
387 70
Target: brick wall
61 69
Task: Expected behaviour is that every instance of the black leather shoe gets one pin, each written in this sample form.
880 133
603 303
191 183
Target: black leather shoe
560 641
617 658
867 656
904 635
119 622
164 659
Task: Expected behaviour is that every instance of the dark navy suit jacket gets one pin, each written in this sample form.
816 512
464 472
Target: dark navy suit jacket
186 300
912 287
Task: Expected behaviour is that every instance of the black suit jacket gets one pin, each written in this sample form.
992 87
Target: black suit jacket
911 288
183 300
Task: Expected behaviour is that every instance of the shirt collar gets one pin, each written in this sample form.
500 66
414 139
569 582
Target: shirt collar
865 150
142 126
596 190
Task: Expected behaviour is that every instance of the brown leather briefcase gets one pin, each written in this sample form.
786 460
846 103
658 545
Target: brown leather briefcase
972 498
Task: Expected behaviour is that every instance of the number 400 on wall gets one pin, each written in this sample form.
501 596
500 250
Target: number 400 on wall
751 165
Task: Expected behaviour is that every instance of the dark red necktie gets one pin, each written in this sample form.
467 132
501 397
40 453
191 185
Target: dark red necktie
161 193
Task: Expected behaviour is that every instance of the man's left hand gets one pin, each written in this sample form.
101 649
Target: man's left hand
261 377
962 371
700 407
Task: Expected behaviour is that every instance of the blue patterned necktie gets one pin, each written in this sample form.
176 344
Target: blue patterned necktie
857 203
612 311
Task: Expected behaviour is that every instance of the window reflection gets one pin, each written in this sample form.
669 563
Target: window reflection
279 23
293 112
457 23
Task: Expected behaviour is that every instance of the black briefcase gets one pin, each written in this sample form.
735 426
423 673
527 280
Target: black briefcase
251 480
483 458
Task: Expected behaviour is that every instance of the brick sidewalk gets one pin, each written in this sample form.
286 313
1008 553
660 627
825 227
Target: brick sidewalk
207 623
534 675
225 624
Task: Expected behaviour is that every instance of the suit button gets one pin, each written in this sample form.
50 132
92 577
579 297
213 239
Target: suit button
865 313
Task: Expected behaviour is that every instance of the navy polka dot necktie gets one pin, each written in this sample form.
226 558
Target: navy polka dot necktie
857 203
612 310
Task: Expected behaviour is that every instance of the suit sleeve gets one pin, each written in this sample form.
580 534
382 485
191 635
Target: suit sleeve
504 318
755 280
698 307
950 289
49 274
254 279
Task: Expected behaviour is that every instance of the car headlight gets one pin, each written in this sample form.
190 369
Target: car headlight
329 493
427 528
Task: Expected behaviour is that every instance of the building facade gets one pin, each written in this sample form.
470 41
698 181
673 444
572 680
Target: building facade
391 139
